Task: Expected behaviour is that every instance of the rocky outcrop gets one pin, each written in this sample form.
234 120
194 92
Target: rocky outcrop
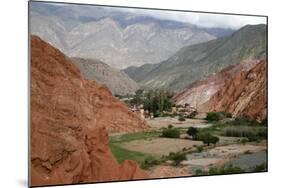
116 80
201 91
70 117
245 94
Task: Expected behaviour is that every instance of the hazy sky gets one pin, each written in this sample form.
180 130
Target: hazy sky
204 19
199 19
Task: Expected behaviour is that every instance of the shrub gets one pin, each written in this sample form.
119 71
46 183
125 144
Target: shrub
200 172
181 118
224 170
199 149
170 126
219 170
192 114
149 162
208 139
171 133
192 131
157 114
244 141
245 121
262 132
177 157
264 122
260 168
228 114
214 116
247 152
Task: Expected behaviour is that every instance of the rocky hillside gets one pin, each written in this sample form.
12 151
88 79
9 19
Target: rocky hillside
199 61
70 117
117 81
201 91
245 94
115 36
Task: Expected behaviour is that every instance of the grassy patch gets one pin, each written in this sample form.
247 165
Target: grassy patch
122 154
241 127
134 136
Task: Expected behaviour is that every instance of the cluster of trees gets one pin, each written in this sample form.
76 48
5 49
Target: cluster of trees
156 101
205 137
217 116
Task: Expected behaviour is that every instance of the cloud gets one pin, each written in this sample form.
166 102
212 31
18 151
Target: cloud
207 20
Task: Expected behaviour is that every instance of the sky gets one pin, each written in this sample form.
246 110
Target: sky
207 20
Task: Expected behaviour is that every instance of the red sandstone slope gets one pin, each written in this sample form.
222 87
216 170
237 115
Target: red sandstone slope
243 95
69 117
201 91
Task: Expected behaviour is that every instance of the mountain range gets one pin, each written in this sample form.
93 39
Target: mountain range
113 35
199 61
116 80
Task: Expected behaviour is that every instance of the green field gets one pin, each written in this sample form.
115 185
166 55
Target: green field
122 154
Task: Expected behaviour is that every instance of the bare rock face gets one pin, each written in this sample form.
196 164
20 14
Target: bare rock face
70 119
242 95
116 80
201 91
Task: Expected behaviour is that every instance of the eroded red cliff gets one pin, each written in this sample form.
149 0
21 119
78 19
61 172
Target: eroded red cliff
201 91
70 119
242 95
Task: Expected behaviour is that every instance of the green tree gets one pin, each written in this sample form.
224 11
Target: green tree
208 139
192 131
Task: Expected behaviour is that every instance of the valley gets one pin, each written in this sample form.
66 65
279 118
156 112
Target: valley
122 95
154 152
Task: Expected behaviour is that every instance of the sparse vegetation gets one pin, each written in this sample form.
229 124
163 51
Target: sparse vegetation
260 168
209 139
199 149
192 115
220 170
247 129
215 116
192 131
248 152
150 162
177 157
171 133
181 118
170 126
206 137
250 132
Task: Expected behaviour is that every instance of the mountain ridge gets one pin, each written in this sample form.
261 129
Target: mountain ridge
116 80
198 61
153 41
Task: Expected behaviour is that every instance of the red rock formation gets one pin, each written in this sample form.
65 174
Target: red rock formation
69 118
242 95
201 91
